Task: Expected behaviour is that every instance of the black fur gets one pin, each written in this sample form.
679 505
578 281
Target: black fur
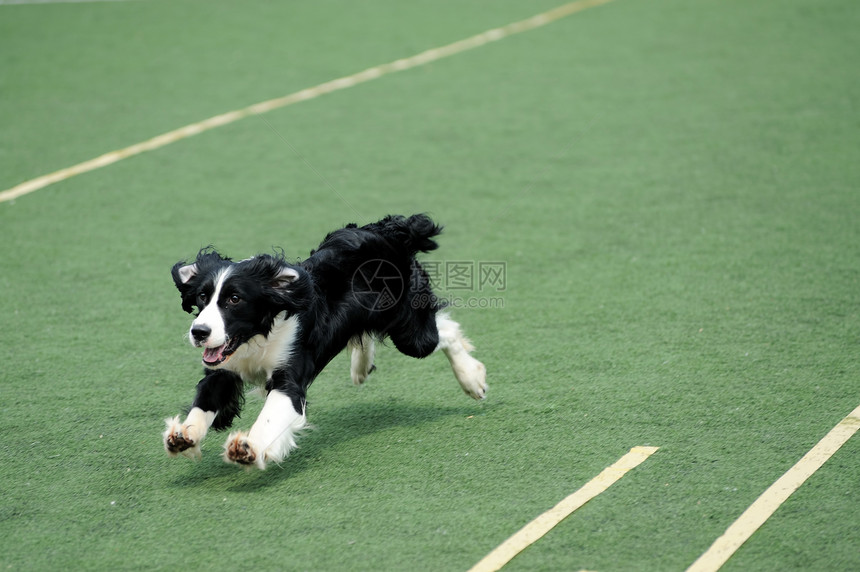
359 280
221 391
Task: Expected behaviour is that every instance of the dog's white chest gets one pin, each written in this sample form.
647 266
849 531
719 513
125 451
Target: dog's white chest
259 357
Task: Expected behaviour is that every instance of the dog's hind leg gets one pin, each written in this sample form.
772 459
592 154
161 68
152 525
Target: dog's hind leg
362 349
471 373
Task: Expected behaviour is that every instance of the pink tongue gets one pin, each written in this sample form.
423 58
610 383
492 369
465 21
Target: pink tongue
213 355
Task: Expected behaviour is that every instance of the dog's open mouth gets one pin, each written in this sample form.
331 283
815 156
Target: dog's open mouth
217 356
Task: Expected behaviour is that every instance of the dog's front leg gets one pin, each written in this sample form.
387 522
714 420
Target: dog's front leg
218 401
272 436
184 437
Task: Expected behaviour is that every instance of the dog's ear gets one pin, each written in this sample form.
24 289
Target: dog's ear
285 285
183 273
187 272
286 275
290 288
272 271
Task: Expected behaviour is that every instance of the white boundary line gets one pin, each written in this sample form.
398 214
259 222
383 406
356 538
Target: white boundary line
534 530
745 526
369 74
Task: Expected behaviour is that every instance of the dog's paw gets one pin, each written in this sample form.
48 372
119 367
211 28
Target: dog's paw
181 439
359 377
240 450
472 376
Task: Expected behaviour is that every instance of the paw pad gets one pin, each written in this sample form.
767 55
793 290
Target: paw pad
178 439
239 450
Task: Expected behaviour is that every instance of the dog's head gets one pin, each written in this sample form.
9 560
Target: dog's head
236 301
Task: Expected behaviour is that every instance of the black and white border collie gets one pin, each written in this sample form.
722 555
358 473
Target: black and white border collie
267 322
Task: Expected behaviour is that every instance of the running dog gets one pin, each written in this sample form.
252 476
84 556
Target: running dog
266 322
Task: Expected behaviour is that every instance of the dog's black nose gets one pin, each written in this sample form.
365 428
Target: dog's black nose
200 333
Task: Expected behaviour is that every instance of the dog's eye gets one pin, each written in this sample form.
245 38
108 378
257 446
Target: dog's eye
233 300
202 299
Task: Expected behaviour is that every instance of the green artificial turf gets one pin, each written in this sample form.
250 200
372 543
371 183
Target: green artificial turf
672 186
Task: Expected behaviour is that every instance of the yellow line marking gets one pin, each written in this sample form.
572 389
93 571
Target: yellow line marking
369 74
534 530
745 526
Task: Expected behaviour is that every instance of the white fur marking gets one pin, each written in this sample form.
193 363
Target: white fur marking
361 361
259 357
272 436
471 373
211 316
192 430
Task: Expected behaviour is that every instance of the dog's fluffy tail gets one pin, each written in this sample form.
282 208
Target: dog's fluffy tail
415 232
